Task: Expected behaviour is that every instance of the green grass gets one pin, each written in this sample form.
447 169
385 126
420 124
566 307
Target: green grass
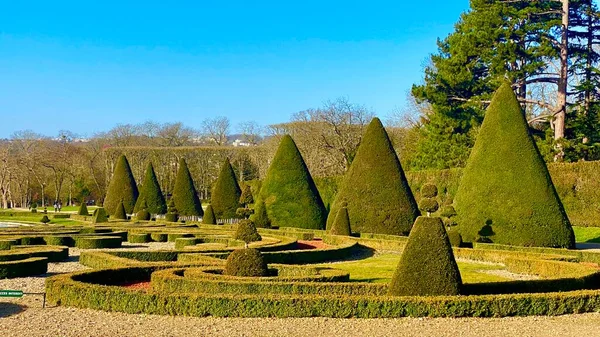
36 217
379 269
587 234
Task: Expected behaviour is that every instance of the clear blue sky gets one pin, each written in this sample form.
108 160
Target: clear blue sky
86 66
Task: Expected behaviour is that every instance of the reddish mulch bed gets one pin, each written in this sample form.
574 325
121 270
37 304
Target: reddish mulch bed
313 244
137 285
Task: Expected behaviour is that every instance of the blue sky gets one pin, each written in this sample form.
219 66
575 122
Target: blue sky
86 66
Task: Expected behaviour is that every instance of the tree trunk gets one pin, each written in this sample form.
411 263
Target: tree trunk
561 109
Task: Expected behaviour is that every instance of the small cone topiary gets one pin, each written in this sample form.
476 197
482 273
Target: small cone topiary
226 193
427 266
289 192
506 195
143 213
99 215
151 193
209 216
45 219
122 188
246 198
260 217
83 209
246 231
120 213
341 225
375 188
247 262
184 193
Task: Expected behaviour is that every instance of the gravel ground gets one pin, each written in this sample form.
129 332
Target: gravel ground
26 317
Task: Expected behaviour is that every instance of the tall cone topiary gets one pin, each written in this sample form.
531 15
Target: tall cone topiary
226 192
83 209
341 225
427 266
506 195
122 187
184 193
209 216
289 192
151 193
375 188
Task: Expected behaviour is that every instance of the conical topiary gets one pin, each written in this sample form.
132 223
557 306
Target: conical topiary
246 198
143 213
184 193
506 195
375 188
151 193
289 192
122 187
260 217
246 231
120 213
341 225
99 215
427 266
226 192
83 209
209 216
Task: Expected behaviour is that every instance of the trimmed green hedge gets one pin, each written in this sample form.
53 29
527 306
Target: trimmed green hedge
138 237
59 241
96 242
52 253
72 290
180 243
23 268
7 243
582 255
171 237
159 237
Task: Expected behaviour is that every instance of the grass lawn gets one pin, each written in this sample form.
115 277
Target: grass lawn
36 217
380 268
587 234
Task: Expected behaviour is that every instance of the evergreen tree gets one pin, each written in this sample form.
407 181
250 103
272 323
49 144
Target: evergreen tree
151 193
506 194
375 189
185 196
122 188
289 192
226 193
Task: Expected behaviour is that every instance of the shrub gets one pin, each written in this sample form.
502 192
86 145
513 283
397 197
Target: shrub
506 185
99 215
122 188
448 212
427 266
151 193
33 210
120 213
341 225
138 237
454 238
45 219
23 268
185 196
143 213
260 217
246 262
83 209
429 191
97 242
289 192
226 192
171 217
209 216
246 198
246 231
244 213
159 237
376 191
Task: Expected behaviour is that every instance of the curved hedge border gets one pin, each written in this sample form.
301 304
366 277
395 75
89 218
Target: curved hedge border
52 253
139 238
22 268
69 290
96 242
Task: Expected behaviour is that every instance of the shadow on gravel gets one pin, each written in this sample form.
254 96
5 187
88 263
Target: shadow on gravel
9 309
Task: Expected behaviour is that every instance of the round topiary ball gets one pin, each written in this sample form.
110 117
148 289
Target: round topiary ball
429 191
428 205
448 211
246 262
246 231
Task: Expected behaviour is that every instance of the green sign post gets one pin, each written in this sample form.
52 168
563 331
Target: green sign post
11 293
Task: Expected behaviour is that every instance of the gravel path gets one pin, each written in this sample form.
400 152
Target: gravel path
25 317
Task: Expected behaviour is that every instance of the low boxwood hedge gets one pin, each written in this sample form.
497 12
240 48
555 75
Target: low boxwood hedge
6 243
159 237
74 291
59 241
139 237
52 253
23 268
172 236
96 242
180 243
582 255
